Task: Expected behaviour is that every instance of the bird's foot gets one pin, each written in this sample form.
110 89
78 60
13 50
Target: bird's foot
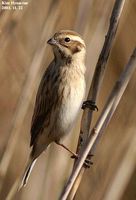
89 104
87 163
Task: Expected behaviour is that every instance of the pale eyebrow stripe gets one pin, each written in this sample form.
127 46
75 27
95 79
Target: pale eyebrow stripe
76 38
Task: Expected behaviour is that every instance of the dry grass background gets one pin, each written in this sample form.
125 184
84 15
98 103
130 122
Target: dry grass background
24 55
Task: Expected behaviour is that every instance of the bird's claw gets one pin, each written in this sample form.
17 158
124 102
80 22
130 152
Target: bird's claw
87 162
74 156
89 104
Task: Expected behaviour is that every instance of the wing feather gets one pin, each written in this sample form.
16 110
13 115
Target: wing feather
43 105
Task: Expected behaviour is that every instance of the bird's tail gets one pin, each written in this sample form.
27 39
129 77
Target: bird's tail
21 181
27 172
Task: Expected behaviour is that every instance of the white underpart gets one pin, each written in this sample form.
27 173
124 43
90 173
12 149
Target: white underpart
70 110
72 101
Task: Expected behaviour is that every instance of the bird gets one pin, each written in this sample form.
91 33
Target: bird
60 95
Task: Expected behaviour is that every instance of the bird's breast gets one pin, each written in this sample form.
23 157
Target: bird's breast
73 94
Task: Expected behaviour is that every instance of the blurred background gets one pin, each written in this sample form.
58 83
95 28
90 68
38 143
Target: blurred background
24 55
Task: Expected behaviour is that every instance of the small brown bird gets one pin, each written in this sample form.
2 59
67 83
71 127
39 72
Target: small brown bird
60 94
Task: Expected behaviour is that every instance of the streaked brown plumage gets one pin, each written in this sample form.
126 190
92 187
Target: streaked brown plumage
60 94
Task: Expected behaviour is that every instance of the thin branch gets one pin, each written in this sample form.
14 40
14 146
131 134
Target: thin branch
97 82
102 121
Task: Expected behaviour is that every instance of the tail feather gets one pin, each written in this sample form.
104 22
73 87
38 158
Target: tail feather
27 172
22 181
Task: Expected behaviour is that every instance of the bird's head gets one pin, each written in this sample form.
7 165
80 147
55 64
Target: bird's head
68 45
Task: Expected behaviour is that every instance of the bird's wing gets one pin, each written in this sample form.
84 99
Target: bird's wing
43 107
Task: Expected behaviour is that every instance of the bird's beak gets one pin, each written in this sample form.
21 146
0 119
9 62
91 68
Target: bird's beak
52 41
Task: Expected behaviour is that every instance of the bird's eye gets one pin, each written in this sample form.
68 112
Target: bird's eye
67 39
